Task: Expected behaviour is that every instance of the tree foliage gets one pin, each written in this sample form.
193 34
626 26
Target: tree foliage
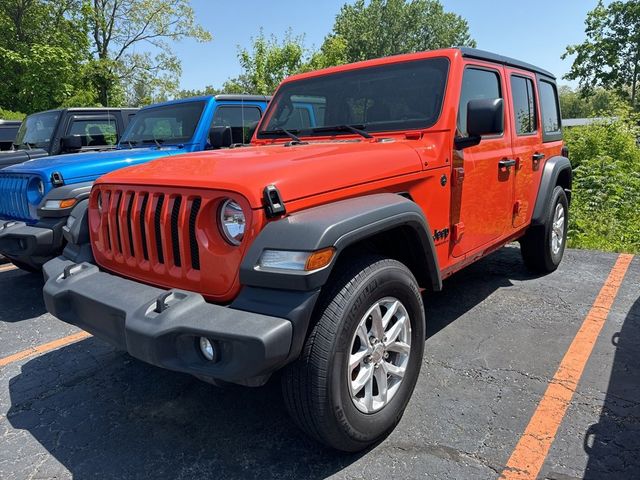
606 185
42 47
380 28
610 55
266 63
576 104
117 27
361 31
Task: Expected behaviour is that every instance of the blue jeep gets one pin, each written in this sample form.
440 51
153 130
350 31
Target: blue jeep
37 196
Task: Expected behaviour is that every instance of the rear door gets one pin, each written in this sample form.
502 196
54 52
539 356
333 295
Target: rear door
95 130
527 142
481 203
243 120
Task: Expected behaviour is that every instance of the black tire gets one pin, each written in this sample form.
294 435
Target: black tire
536 245
315 387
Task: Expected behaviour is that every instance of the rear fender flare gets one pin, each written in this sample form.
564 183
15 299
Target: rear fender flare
555 168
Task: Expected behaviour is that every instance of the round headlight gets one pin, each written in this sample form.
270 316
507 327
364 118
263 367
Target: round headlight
232 222
35 190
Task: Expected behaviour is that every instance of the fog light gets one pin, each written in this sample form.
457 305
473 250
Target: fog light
207 349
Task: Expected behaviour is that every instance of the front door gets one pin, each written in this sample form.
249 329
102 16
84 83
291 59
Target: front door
482 181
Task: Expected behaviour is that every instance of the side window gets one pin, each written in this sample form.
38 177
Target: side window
524 105
94 132
476 84
549 107
242 120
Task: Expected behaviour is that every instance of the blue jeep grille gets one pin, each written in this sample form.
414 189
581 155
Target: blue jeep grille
13 197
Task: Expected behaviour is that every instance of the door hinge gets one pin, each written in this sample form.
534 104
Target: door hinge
457 177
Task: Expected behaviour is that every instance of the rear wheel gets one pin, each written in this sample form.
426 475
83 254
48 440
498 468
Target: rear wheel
359 366
543 246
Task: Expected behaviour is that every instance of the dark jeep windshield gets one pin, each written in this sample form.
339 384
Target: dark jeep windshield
37 130
169 124
400 96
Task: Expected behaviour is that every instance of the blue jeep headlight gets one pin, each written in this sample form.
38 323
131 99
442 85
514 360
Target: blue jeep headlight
35 190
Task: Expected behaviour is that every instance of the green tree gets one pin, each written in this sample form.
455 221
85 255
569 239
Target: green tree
576 104
117 30
266 63
380 28
610 55
361 31
42 47
208 90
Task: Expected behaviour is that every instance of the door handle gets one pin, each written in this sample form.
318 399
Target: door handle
538 156
506 163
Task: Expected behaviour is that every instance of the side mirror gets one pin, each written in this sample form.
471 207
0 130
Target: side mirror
484 117
220 137
71 143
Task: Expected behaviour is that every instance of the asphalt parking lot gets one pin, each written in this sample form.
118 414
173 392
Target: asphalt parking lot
496 337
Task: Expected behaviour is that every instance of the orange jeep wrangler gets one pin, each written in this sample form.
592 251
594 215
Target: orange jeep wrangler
309 250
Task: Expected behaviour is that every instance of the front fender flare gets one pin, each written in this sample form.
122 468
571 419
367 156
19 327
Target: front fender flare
340 225
79 191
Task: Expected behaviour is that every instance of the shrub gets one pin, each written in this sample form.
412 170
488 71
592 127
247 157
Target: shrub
9 115
605 210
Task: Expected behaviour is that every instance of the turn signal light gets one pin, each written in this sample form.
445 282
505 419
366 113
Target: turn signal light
319 259
69 202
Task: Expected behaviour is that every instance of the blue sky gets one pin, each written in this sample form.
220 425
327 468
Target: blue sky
536 32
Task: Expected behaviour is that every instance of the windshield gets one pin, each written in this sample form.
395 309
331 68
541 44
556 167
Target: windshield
170 124
37 130
400 96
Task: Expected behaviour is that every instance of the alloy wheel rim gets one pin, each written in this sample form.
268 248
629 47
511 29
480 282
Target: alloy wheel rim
379 355
557 229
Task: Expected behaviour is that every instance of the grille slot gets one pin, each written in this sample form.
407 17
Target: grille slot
158 228
130 225
193 241
175 240
143 231
117 222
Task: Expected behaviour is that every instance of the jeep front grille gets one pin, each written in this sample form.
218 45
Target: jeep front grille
148 229
14 204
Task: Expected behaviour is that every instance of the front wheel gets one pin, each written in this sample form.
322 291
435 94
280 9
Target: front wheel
361 360
543 246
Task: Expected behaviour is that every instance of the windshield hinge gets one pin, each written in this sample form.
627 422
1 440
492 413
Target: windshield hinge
56 179
274 205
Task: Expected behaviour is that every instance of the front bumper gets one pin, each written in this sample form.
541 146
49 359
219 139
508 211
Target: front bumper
163 327
33 245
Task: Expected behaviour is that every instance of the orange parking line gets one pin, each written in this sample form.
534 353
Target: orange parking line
532 449
47 347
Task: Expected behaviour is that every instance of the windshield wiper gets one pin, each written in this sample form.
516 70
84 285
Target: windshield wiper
279 131
131 143
157 141
358 129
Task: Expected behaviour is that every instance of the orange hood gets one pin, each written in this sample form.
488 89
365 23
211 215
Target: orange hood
298 170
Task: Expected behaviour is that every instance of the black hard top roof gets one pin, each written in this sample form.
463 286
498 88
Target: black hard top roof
501 59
